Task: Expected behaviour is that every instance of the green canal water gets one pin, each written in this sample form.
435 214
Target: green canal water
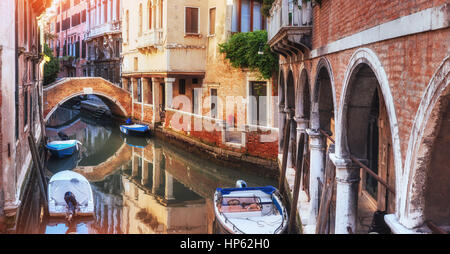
140 185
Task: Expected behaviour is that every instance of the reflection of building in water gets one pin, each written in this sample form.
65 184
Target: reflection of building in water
62 116
92 135
155 202
108 205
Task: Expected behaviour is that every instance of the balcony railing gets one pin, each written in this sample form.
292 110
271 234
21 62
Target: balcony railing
150 39
106 28
289 17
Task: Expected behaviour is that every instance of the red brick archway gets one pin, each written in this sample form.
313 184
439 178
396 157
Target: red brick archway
117 99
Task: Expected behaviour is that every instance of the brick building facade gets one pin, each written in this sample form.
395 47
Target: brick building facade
21 89
66 25
373 76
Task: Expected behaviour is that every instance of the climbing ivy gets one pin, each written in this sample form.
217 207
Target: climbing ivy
267 4
51 67
242 51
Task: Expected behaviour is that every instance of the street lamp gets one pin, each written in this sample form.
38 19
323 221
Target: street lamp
261 49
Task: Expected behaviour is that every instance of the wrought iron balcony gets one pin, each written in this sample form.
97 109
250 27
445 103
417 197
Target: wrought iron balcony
290 27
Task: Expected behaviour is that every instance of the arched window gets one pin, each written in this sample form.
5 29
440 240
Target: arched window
140 20
127 17
150 18
161 16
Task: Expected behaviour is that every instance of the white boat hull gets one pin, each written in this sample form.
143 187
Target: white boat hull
63 182
257 212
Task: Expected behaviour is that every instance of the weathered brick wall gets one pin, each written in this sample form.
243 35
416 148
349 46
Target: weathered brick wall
148 114
403 59
256 145
339 18
137 111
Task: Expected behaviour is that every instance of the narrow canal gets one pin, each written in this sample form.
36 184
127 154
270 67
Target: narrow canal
140 185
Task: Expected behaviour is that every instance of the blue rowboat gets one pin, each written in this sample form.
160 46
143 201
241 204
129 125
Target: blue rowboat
63 148
135 129
249 210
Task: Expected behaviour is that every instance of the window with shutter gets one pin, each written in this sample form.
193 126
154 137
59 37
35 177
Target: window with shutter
212 21
191 24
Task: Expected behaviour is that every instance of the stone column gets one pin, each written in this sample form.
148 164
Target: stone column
169 91
156 100
317 148
347 180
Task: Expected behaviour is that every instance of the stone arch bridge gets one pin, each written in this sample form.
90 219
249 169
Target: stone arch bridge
117 99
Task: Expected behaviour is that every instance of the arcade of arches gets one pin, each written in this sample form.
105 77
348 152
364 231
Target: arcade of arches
352 119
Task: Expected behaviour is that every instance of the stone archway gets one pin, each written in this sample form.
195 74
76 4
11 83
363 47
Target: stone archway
368 57
367 130
303 96
322 117
116 98
427 157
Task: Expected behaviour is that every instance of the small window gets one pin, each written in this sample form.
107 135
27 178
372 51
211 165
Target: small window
212 21
182 86
136 64
214 103
192 20
25 107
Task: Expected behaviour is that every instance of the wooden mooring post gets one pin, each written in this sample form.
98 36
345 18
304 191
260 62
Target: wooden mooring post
286 137
327 194
298 170
39 170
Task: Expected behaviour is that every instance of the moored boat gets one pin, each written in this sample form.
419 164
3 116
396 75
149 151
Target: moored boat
250 210
130 128
69 181
63 148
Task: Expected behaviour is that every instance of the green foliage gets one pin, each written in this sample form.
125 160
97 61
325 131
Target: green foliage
51 67
242 51
267 4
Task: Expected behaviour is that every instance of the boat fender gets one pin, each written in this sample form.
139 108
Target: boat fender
241 184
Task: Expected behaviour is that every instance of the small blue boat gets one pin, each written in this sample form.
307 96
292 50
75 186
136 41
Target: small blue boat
134 129
63 148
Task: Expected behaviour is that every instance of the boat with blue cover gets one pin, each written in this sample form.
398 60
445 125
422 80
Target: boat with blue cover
63 148
130 128
249 210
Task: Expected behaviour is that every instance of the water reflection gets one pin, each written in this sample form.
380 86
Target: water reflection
142 185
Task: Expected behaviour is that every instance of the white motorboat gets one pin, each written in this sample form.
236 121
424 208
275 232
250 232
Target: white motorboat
249 210
63 182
